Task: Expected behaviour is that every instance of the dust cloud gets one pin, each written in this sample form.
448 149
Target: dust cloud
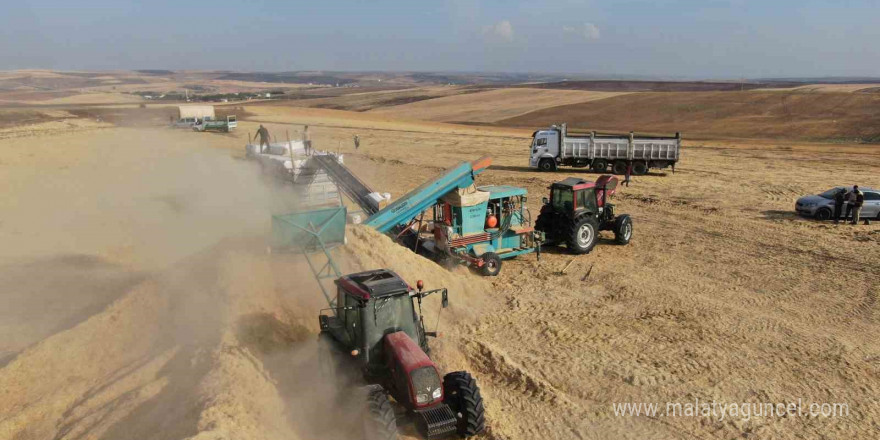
142 302
139 299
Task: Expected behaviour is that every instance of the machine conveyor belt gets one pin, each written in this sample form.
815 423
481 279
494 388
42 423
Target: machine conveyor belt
351 185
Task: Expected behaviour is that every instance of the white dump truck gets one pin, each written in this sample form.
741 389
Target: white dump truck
555 147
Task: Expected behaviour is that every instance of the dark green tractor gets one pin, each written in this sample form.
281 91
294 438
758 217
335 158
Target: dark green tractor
577 210
376 334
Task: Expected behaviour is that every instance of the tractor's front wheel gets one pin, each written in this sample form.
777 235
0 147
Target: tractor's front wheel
583 235
463 395
380 423
623 229
491 264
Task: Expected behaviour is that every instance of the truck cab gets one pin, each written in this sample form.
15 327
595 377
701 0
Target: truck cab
186 122
545 149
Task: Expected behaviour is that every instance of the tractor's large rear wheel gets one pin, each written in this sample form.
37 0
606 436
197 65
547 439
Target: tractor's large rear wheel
583 235
463 395
380 423
623 229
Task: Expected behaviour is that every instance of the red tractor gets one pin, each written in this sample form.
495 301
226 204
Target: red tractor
577 210
375 334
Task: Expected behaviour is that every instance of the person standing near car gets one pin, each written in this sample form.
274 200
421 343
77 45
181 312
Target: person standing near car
838 205
858 201
850 201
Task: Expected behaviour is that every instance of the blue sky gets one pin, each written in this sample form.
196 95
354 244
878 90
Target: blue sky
664 38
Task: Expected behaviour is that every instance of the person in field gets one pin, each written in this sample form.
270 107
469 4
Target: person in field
264 138
858 201
357 142
838 205
307 140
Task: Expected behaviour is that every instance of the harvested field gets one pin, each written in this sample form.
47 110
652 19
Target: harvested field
41 80
95 98
169 320
35 87
660 86
489 106
839 88
360 100
17 118
654 323
837 117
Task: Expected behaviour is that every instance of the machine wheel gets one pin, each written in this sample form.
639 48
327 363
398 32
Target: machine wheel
599 165
547 165
623 229
380 423
823 214
491 264
619 168
583 235
640 168
463 395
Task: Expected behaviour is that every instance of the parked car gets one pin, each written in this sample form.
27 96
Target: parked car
821 206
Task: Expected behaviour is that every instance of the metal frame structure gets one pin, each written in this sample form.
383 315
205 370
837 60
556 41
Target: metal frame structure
314 231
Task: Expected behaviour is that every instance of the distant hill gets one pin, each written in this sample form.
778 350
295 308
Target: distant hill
660 86
825 80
